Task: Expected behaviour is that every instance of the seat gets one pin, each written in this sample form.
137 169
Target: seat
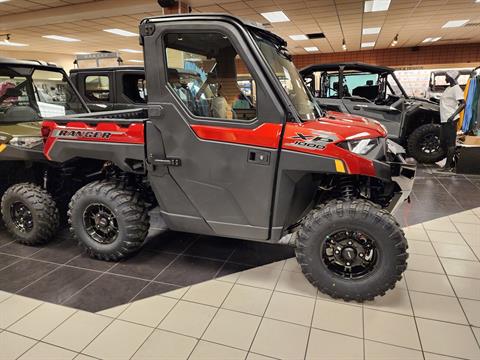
369 92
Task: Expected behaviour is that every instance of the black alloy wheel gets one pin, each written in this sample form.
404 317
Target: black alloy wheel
21 217
100 223
350 254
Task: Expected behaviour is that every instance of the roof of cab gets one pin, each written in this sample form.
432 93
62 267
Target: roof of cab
33 63
214 16
347 66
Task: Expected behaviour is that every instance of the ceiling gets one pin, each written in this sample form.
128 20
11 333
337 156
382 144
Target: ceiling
413 20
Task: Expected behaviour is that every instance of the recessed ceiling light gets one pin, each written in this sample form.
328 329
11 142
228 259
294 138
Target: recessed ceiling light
368 44
82 53
275 16
135 61
120 32
4 1
11 43
427 40
311 48
298 37
60 38
377 5
455 23
131 51
371 31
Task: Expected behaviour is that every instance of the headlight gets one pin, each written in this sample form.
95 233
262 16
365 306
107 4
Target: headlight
26 141
360 147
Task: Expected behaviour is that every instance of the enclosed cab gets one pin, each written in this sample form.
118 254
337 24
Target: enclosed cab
375 92
239 148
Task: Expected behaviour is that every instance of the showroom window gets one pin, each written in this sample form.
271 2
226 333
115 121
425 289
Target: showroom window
209 77
97 88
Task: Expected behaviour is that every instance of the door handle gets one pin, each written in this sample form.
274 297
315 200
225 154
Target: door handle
259 157
167 162
356 107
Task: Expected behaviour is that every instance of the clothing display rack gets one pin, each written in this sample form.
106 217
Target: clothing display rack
469 121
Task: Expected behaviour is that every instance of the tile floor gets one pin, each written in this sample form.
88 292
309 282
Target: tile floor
272 312
59 272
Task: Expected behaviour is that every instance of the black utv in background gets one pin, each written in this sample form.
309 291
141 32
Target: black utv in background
375 92
111 88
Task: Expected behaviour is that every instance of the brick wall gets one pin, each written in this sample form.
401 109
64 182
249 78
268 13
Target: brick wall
397 57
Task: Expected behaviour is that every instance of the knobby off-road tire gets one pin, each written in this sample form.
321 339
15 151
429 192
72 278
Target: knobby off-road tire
416 142
123 222
30 214
353 216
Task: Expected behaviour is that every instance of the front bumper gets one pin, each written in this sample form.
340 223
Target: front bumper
402 172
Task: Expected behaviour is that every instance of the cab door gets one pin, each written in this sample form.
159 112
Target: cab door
97 89
212 145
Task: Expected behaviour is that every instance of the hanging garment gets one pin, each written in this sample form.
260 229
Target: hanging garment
468 119
476 104
462 114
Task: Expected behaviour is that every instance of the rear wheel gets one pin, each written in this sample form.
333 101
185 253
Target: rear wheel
110 221
29 213
351 250
424 144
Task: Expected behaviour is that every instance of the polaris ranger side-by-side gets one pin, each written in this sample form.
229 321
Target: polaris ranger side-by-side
259 162
375 92
31 187
438 83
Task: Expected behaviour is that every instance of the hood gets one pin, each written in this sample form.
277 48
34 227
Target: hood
348 126
7 131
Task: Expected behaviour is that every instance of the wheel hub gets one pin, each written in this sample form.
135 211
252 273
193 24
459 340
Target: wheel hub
100 223
21 217
430 144
349 253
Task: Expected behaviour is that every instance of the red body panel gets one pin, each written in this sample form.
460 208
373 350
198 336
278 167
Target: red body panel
317 137
265 135
103 132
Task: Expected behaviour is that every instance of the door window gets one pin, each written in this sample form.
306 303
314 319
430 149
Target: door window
363 85
206 73
97 88
135 87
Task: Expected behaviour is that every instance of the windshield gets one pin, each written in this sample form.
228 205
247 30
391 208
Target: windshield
30 94
288 75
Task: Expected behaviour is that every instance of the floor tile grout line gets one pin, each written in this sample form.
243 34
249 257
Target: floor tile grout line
44 342
224 263
468 245
414 318
20 318
82 288
213 317
129 304
161 272
456 295
311 324
279 320
266 308
363 331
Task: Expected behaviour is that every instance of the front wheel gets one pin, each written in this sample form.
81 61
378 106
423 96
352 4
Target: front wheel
109 221
424 144
351 250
